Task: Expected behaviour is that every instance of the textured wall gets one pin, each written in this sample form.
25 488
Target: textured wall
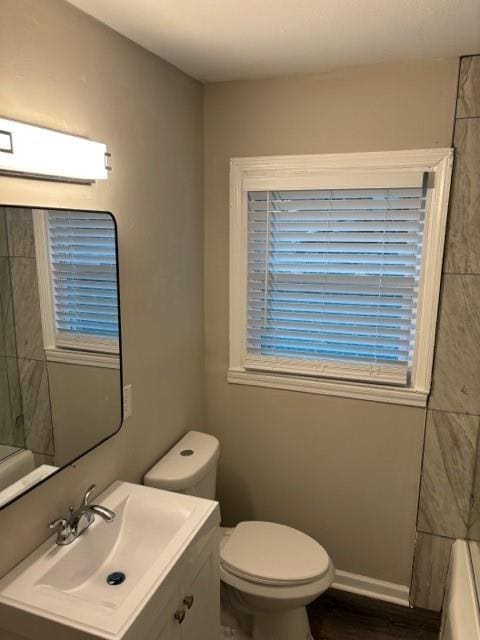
452 426
61 69
345 471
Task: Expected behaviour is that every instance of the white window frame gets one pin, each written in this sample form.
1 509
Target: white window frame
340 171
93 352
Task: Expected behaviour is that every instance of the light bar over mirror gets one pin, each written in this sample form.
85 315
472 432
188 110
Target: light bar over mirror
31 151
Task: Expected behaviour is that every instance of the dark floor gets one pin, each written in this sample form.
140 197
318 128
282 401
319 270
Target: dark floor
338 615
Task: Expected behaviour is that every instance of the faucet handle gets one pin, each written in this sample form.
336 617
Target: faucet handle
64 530
88 494
59 524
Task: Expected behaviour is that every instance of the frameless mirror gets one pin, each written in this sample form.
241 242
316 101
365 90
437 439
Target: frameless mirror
60 355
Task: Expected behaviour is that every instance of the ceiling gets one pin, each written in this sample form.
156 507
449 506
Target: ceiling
215 40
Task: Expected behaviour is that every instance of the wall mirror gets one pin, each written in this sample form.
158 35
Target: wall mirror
60 355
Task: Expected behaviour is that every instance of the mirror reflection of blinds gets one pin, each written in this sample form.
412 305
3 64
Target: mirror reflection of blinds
333 279
84 279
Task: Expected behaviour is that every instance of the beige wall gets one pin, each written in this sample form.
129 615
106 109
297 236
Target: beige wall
344 471
86 405
61 69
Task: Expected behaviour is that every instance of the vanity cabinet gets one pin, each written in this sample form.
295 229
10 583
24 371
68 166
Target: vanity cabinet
193 612
167 627
165 544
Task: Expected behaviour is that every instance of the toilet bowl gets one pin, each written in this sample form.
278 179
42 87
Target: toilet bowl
269 571
274 571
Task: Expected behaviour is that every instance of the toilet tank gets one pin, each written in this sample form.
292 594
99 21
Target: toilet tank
189 467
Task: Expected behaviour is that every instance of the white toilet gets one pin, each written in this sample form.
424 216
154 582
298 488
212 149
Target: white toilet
270 571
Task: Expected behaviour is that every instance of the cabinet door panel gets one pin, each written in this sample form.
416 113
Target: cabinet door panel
202 619
168 627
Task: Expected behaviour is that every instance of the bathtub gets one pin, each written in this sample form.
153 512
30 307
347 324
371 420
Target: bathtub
461 619
27 481
14 464
7 450
18 472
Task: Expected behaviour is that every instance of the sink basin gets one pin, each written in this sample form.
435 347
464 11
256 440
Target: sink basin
69 583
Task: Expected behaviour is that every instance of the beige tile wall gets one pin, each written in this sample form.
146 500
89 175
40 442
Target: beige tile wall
454 404
430 571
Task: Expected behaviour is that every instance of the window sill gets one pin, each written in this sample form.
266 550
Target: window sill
83 358
371 392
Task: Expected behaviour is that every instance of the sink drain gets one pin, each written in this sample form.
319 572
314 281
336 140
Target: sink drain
117 577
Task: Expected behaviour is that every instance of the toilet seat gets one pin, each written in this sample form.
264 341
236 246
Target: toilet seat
273 554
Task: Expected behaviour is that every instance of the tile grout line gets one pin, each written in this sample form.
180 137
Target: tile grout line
455 273
456 413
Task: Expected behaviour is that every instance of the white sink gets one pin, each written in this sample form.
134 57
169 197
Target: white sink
68 583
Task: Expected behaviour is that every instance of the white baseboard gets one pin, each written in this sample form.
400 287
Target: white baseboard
371 587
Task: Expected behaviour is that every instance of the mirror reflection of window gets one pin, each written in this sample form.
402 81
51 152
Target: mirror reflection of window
83 279
76 259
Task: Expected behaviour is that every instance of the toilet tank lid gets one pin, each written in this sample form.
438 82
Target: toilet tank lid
186 462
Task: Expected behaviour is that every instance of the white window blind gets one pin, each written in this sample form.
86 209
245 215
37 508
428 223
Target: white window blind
82 254
333 280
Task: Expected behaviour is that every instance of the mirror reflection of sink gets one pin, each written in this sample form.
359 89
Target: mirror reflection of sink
151 530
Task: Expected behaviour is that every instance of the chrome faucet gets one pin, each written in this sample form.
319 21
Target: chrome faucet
80 519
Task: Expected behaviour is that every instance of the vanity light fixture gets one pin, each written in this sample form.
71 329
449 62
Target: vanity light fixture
31 151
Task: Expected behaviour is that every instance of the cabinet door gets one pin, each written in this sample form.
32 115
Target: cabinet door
168 627
202 603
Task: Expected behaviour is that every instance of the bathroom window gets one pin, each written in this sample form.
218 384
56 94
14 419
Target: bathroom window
335 272
77 271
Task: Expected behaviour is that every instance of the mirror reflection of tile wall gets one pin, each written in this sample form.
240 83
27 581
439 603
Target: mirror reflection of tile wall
26 412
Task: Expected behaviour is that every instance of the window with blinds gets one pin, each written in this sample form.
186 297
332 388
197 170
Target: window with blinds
333 280
84 296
